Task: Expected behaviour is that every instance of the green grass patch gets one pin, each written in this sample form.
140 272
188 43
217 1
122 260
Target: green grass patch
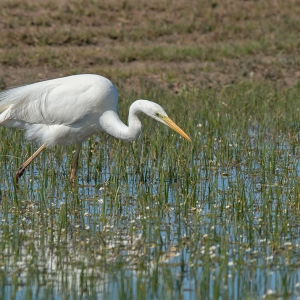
143 212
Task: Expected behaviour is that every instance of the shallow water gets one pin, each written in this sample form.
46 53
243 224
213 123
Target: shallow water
228 230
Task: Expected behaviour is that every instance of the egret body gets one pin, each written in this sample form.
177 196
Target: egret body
67 110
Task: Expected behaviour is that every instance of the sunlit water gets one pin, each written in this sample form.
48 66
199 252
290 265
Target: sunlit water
139 239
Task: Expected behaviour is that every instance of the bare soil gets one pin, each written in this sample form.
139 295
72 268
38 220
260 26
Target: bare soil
241 41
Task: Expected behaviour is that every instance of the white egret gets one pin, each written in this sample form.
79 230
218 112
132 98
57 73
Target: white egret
67 110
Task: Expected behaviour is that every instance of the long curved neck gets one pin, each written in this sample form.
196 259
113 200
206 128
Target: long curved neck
111 123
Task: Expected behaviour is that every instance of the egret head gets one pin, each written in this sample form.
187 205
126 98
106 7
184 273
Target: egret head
156 112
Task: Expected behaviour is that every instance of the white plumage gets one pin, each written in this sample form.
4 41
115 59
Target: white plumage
67 110
54 111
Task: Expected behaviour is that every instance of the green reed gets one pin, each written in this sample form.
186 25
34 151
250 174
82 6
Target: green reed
161 216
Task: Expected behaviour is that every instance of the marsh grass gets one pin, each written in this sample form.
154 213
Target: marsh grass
161 215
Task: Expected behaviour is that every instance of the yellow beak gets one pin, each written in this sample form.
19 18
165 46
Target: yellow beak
172 125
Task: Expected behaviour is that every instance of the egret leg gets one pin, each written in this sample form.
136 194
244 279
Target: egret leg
22 168
75 162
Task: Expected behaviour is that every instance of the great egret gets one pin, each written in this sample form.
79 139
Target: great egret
67 110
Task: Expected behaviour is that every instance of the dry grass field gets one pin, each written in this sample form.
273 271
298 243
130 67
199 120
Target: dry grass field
173 44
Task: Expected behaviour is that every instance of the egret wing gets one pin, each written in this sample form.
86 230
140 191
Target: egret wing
58 101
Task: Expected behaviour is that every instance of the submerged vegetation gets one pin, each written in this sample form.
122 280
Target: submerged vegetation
160 217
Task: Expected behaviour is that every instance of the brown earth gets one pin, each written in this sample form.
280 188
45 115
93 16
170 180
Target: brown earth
174 44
